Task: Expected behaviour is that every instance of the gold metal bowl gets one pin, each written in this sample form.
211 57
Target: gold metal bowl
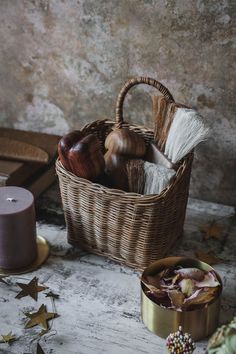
199 323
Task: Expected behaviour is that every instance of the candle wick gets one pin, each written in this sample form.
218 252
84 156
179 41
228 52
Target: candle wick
13 200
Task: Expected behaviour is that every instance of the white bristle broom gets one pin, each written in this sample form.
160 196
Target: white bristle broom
186 132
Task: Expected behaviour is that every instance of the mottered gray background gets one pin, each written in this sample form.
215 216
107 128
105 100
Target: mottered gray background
63 63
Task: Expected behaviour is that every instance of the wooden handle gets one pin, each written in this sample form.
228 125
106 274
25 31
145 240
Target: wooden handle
127 87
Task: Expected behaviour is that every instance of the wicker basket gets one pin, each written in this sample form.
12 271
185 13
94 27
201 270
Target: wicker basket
130 228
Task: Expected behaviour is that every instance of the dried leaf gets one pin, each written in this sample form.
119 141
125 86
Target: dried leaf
177 299
187 286
154 290
190 273
167 273
169 286
153 280
203 296
213 230
195 294
176 278
209 258
209 281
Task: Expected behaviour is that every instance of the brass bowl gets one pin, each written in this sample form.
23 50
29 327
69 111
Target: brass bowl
199 323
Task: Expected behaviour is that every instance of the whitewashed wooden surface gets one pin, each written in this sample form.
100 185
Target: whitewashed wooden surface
99 303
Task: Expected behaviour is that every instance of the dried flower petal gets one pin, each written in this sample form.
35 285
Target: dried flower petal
213 230
176 278
195 294
209 281
187 286
177 299
167 273
191 273
157 292
203 297
153 280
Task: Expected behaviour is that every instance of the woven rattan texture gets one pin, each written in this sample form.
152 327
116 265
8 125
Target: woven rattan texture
130 228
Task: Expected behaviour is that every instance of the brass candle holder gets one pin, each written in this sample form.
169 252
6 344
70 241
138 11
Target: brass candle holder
199 323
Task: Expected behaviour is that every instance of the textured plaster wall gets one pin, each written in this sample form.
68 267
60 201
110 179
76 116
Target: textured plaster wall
62 64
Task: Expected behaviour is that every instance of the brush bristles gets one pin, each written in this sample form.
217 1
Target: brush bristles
135 174
186 132
157 178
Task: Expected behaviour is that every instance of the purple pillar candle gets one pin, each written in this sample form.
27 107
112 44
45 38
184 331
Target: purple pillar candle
18 247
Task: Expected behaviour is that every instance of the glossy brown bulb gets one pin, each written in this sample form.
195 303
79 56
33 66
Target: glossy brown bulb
115 169
82 155
123 141
65 144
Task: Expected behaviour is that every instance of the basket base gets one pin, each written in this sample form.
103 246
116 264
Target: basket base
119 259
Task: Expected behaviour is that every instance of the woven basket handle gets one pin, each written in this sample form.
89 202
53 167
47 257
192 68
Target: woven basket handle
127 87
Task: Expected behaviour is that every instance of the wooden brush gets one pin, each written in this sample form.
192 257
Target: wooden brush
163 113
135 174
178 129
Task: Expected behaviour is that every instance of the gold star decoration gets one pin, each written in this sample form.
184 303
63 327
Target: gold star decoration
39 349
41 318
52 294
209 257
31 289
213 230
8 338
